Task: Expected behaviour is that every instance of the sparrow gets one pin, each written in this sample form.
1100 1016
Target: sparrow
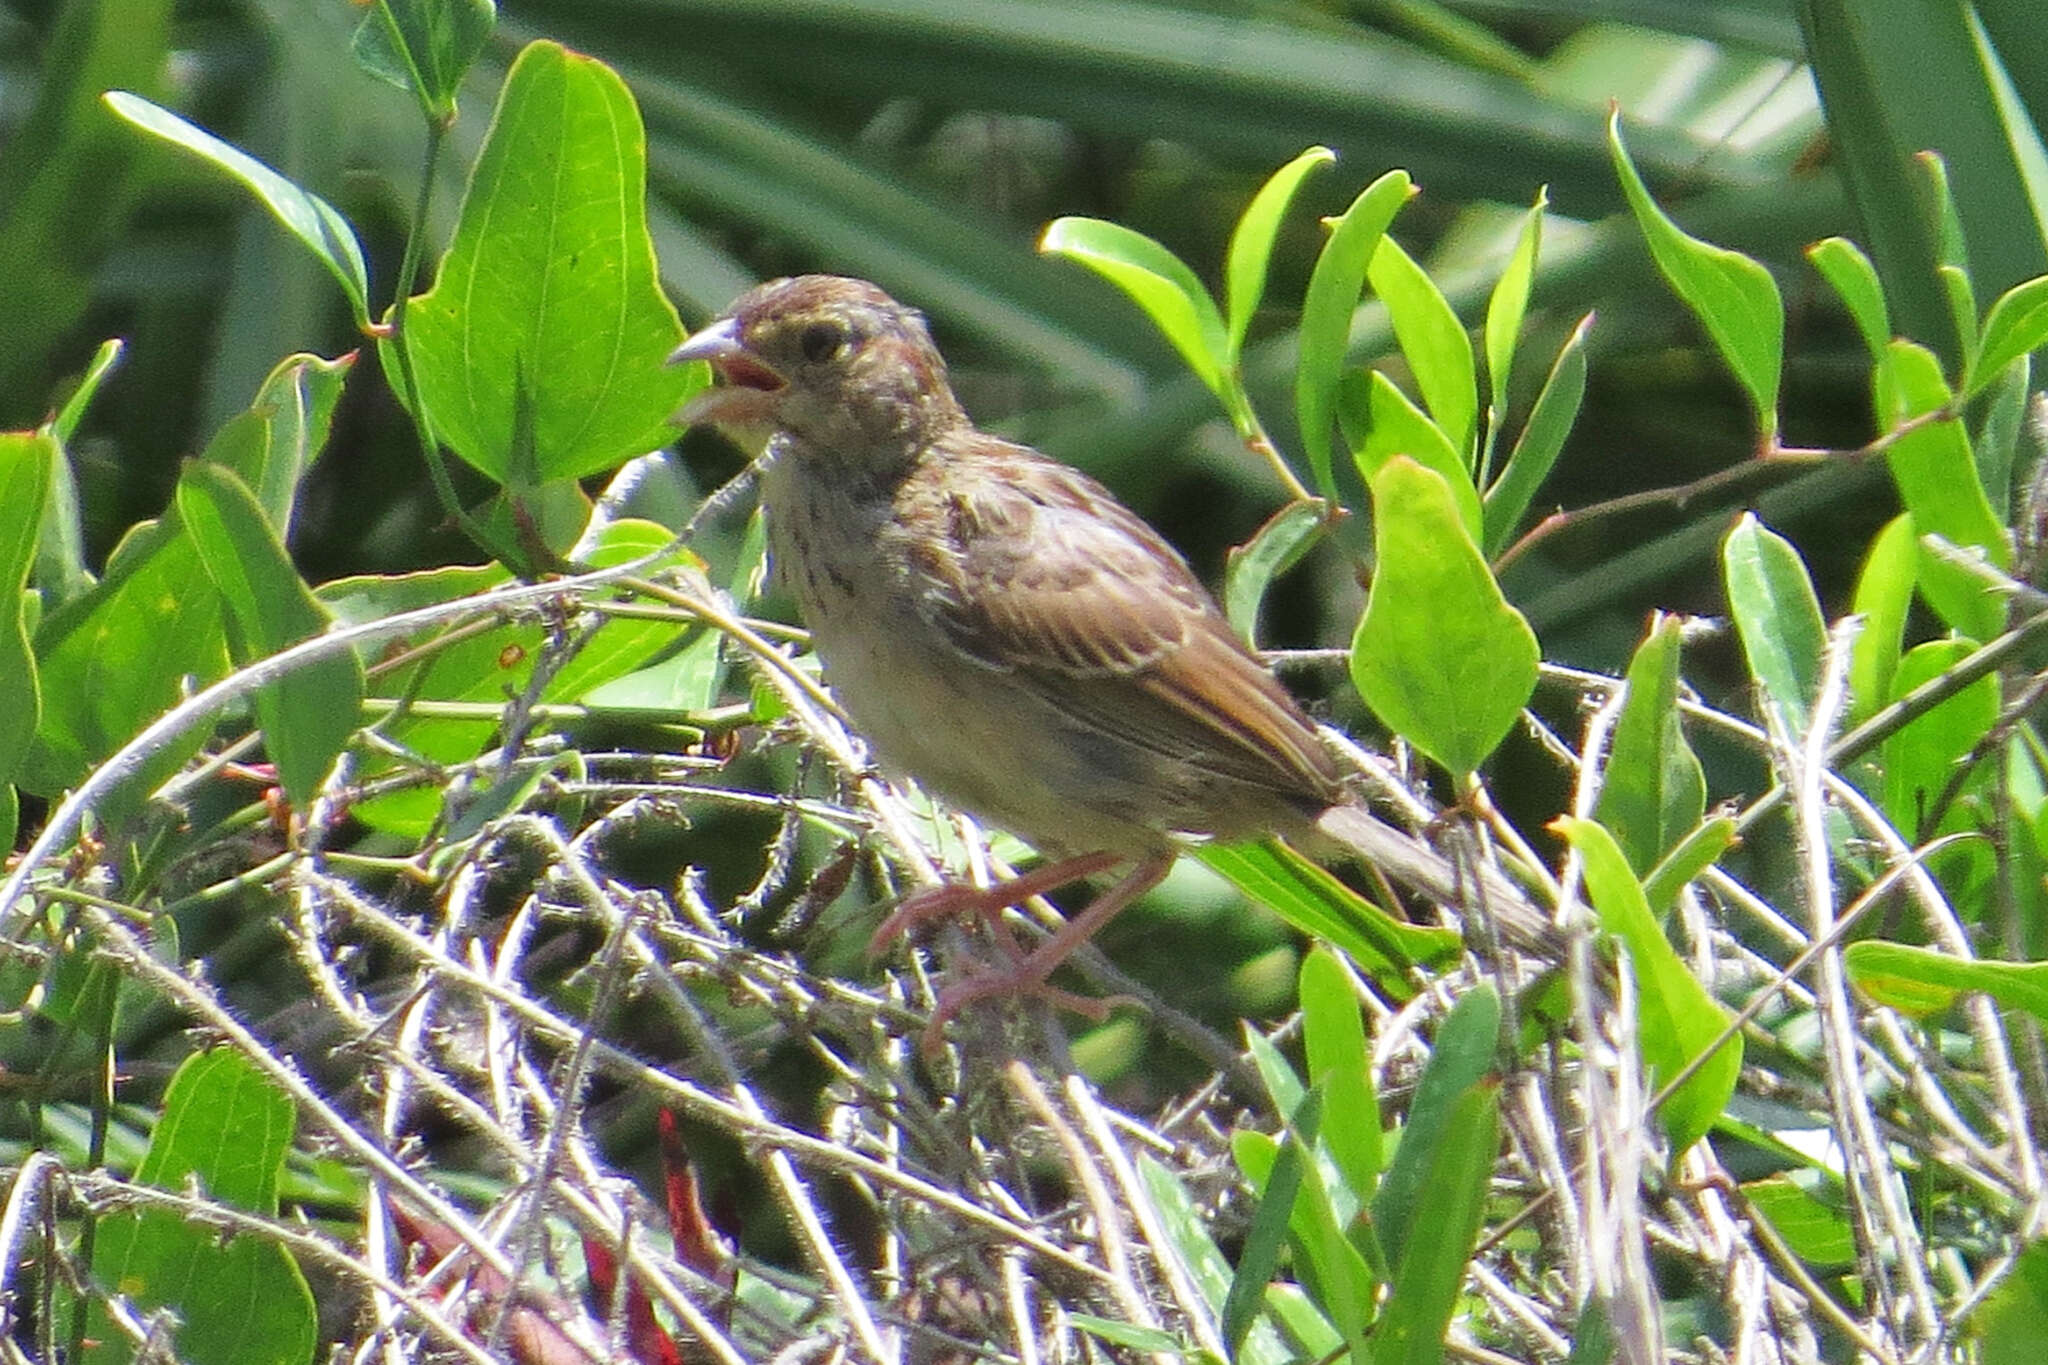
998 626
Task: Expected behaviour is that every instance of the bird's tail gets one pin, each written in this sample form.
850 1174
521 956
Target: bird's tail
1475 891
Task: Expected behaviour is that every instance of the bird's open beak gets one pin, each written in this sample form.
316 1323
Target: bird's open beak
745 396
715 341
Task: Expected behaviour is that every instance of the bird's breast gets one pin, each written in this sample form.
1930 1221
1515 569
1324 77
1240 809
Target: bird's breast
982 738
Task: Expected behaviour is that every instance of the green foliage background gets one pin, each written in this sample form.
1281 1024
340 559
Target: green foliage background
925 146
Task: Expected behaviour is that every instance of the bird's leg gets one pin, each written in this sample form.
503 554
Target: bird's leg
989 902
1028 974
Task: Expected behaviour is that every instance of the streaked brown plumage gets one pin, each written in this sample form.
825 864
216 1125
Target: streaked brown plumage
995 623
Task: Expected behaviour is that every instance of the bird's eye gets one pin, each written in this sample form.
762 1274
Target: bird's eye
822 341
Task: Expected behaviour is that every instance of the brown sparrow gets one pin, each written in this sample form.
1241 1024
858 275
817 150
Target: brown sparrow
995 623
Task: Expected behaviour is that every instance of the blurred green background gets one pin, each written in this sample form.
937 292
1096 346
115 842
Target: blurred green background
924 143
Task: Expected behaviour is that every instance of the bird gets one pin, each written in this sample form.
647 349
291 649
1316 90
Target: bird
998 626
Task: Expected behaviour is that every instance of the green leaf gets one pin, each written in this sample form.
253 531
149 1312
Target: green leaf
1395 426
686 683
1433 340
297 399
1926 981
1817 1231
548 293
1920 757
305 215
1310 898
1854 279
226 1129
1439 655
1462 1060
308 715
1884 593
1339 1278
1251 243
1161 284
1537 449
1778 618
1654 791
1326 311
1333 1034
226 1123
2017 325
1301 1317
24 478
1260 1256
470 668
1273 549
117 657
1694 854
1898 76
1333 1030
1187 1239
1678 1018
1952 260
1505 309
1592 1336
486 667
60 574
1936 475
1283 1086
693 677
1431 1272
1734 298
425 46
104 360
1131 1336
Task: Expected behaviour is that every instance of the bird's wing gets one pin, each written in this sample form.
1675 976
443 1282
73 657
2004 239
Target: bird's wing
1041 571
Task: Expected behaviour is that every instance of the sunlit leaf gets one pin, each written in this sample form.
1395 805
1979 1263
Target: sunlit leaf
1844 266
1734 298
224 1130
305 215
1541 441
1936 473
308 714
1439 655
1326 310
1463 1058
2016 325
1654 791
424 46
1273 549
1161 284
546 331
1251 244
1778 618
1395 426
1926 981
1884 593
1433 340
1505 309
1678 1018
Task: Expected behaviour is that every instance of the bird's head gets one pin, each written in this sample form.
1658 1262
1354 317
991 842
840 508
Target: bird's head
835 363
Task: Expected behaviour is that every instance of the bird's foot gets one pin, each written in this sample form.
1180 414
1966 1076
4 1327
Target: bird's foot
1019 979
1027 973
988 902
